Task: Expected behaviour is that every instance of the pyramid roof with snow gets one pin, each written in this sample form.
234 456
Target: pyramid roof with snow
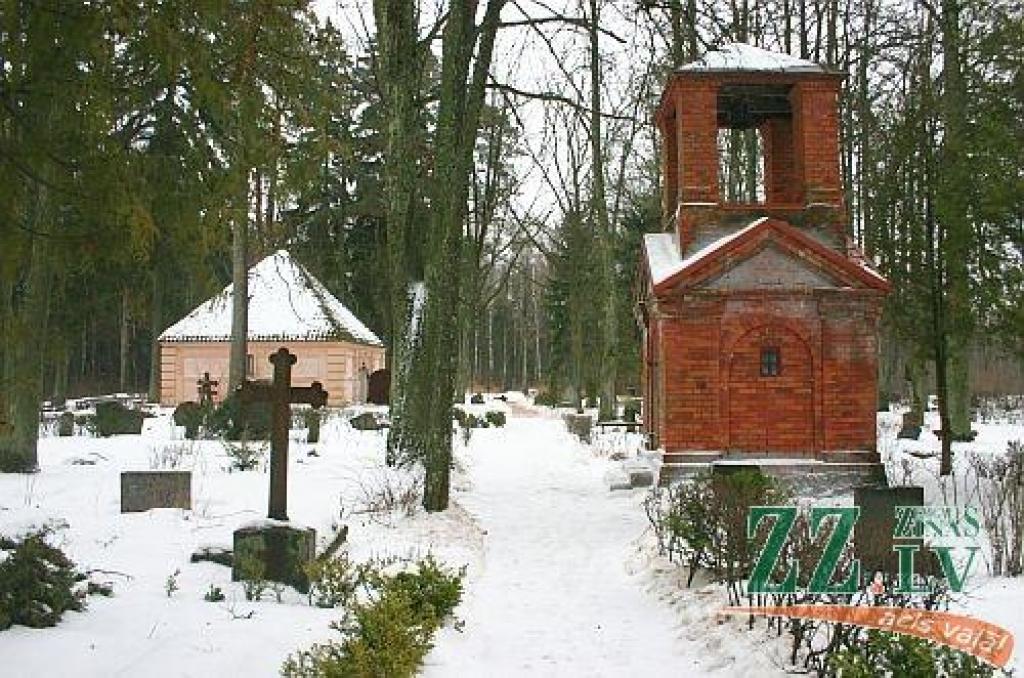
738 56
285 303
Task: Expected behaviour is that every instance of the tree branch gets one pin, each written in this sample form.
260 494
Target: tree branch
556 98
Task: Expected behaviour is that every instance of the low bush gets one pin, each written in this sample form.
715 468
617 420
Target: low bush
468 420
37 582
113 418
545 398
631 410
703 522
495 418
332 581
365 421
214 594
245 455
389 634
476 399
892 654
191 415
235 420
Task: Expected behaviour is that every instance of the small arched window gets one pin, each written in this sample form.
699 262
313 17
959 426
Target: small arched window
771 361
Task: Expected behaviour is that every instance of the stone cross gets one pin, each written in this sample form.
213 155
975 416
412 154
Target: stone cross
280 394
207 389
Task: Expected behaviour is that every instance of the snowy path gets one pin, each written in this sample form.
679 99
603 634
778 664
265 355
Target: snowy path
554 595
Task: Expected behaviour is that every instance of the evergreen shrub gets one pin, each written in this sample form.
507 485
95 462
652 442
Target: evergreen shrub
391 632
113 418
495 418
235 420
37 582
190 415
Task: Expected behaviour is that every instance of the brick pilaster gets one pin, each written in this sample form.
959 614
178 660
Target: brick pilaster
697 125
816 137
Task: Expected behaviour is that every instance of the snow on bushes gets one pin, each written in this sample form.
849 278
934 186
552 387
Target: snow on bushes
390 631
38 583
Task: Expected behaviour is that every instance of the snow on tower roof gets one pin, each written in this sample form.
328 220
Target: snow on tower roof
739 56
285 303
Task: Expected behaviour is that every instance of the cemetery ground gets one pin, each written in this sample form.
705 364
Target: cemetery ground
563 576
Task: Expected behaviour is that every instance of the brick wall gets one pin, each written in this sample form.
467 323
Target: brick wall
711 395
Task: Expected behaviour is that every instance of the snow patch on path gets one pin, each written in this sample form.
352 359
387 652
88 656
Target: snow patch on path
556 593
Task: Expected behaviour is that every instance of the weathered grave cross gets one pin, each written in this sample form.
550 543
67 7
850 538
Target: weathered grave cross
280 394
207 389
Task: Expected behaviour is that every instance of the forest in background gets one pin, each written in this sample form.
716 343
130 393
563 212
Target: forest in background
150 150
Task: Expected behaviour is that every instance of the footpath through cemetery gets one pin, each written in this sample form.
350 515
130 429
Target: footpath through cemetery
387 339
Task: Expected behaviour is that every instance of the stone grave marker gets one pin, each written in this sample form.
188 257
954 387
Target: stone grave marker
66 424
207 390
911 425
378 390
279 549
579 425
145 490
873 536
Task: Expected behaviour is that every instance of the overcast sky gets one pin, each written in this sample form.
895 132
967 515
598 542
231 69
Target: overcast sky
524 60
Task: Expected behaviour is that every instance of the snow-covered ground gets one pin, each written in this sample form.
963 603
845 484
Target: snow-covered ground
563 577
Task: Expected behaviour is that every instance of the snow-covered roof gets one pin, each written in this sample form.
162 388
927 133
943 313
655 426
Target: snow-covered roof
739 56
663 251
665 262
285 303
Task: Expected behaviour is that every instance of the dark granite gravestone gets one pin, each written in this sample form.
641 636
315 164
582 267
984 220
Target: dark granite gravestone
911 426
276 550
145 490
873 536
378 391
66 424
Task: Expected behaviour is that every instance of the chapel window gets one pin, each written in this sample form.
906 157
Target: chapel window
770 362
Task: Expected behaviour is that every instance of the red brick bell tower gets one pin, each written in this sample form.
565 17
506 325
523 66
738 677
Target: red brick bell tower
759 319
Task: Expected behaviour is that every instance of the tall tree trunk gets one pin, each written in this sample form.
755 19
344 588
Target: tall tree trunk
25 339
124 348
435 360
155 327
240 291
399 74
952 211
605 233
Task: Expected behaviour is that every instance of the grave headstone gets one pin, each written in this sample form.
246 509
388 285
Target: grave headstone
365 421
579 425
280 394
312 421
379 387
274 549
873 536
207 390
145 490
66 424
911 425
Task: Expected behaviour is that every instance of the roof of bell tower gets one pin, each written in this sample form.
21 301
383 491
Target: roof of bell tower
741 57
